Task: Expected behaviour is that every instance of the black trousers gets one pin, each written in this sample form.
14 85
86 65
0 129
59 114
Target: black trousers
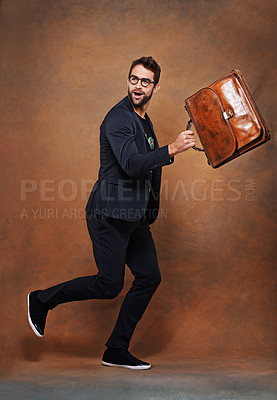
115 243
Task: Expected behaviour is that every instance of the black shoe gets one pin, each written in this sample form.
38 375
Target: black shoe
37 314
122 358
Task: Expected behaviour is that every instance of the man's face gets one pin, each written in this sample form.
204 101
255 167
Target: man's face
138 94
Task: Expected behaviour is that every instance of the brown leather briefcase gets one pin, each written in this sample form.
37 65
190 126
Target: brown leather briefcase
227 119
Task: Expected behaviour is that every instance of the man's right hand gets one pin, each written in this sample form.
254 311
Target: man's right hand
184 141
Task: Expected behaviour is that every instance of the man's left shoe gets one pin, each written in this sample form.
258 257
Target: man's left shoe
37 314
121 357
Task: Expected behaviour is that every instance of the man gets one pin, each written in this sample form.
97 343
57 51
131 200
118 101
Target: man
123 203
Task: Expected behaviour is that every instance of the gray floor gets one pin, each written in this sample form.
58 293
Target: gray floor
85 379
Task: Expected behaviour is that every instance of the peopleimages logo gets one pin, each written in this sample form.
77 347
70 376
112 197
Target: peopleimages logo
50 192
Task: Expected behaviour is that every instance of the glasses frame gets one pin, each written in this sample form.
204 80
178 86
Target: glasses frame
140 79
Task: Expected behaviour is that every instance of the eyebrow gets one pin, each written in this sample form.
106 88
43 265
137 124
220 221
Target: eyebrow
148 79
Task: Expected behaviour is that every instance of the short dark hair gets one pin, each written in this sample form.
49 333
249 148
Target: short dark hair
148 63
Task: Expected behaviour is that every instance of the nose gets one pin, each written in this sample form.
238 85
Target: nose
138 85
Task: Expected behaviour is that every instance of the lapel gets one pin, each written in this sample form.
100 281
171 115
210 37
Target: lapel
152 131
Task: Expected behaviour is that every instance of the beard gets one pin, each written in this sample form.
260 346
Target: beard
141 101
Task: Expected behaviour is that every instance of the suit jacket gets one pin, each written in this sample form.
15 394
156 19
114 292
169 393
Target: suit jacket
129 178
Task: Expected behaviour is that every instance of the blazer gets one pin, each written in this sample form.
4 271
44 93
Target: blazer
128 185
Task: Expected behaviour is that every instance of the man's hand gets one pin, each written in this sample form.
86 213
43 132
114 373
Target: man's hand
184 141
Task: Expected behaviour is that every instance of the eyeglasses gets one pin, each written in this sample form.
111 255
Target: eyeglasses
144 81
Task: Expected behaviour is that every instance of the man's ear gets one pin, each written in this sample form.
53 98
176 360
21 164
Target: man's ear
156 88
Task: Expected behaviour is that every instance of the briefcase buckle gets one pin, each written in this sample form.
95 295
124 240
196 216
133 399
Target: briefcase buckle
227 114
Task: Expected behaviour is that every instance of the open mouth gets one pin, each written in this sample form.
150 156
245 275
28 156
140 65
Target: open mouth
138 95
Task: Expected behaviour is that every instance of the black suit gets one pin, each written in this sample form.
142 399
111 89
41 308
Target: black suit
122 204
130 172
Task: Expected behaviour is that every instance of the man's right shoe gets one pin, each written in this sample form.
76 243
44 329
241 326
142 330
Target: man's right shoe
37 313
121 357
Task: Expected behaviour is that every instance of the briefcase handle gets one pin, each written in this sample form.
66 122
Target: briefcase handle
194 147
188 128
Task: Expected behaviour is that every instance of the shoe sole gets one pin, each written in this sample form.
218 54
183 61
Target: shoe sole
30 320
127 366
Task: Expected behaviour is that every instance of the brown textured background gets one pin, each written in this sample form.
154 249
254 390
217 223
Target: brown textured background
63 64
